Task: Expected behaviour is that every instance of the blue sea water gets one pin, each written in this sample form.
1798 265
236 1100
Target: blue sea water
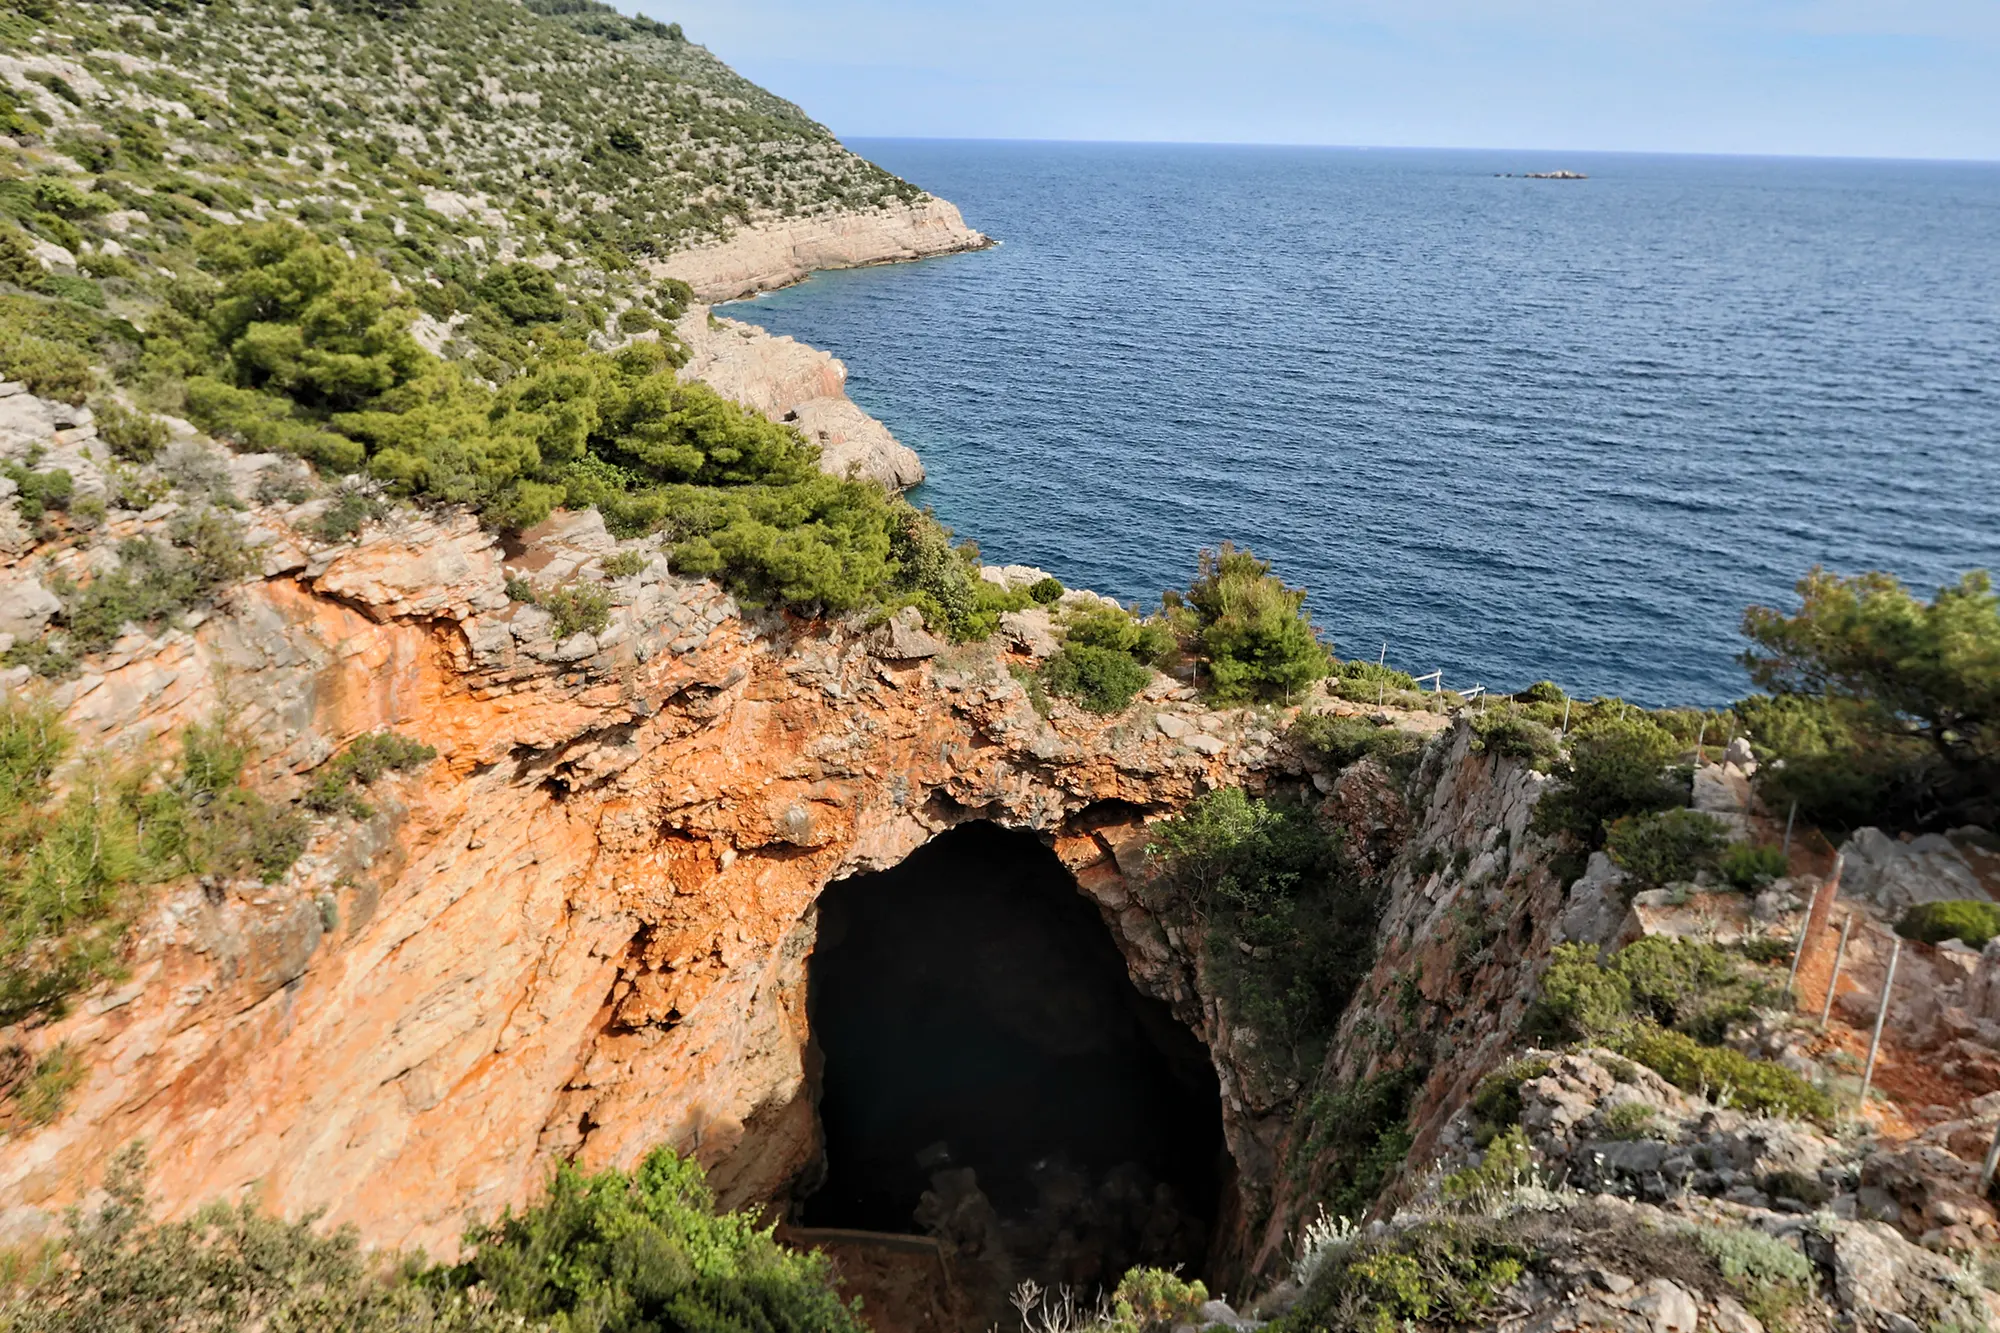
1513 428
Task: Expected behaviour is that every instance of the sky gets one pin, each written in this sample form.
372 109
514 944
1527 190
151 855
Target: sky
1858 78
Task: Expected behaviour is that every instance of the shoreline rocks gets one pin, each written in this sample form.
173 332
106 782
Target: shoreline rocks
769 255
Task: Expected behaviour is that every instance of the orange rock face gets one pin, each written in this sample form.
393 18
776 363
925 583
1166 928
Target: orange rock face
583 930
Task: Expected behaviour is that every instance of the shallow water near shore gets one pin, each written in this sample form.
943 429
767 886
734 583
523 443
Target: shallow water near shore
1513 428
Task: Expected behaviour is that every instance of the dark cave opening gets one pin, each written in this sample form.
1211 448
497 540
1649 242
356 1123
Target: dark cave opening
989 1074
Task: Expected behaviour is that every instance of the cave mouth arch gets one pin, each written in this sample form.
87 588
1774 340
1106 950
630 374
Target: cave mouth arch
988 1073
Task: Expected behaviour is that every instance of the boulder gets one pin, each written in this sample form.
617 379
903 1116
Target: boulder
904 638
1895 875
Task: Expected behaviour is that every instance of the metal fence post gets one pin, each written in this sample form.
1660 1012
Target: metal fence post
1881 1017
1839 955
1788 836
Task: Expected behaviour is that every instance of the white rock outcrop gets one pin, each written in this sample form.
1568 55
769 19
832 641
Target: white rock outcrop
1894 874
777 254
789 381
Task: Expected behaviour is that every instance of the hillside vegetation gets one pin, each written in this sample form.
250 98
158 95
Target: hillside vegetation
417 242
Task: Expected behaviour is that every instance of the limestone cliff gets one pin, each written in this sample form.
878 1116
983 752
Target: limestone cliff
581 931
777 253
788 381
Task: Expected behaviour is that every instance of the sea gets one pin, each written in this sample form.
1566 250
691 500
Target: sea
1505 429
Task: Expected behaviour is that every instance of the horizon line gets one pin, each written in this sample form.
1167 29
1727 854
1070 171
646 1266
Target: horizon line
1417 148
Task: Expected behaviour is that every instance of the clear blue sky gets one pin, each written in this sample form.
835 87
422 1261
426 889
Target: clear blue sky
1889 78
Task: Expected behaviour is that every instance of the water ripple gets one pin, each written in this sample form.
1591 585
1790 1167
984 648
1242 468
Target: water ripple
1515 428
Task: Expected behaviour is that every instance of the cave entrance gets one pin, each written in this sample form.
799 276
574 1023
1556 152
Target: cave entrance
989 1075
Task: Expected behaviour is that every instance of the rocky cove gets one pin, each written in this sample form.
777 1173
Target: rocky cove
857 919
746 885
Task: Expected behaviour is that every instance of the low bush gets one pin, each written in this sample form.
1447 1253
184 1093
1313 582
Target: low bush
1101 680
578 609
1505 1165
1106 659
1772 1276
42 1092
226 1268
622 564
1543 692
360 764
203 818
35 493
1152 1300
1686 985
71 868
1668 847
1496 1103
1503 732
1045 591
1723 1074
51 369
1120 631
136 437
1349 1142
352 508
1614 767
1972 922
1446 1273
1335 742
1628 1120
155 582
1748 865
618 1253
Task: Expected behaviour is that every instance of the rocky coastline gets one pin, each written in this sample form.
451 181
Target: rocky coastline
768 255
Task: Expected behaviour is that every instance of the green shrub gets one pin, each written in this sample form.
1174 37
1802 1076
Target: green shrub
226 1267
613 1253
47 368
623 564
360 764
1496 1103
1627 1120
1721 1073
1543 692
1972 921
204 819
1686 985
1504 1166
520 590
1508 734
1349 1142
1773 1276
38 492
154 581
1290 929
1748 866
1614 768
1247 628
352 507
1152 1300
1669 847
1336 741
1119 631
137 437
1443 1274
578 609
1101 680
1045 591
